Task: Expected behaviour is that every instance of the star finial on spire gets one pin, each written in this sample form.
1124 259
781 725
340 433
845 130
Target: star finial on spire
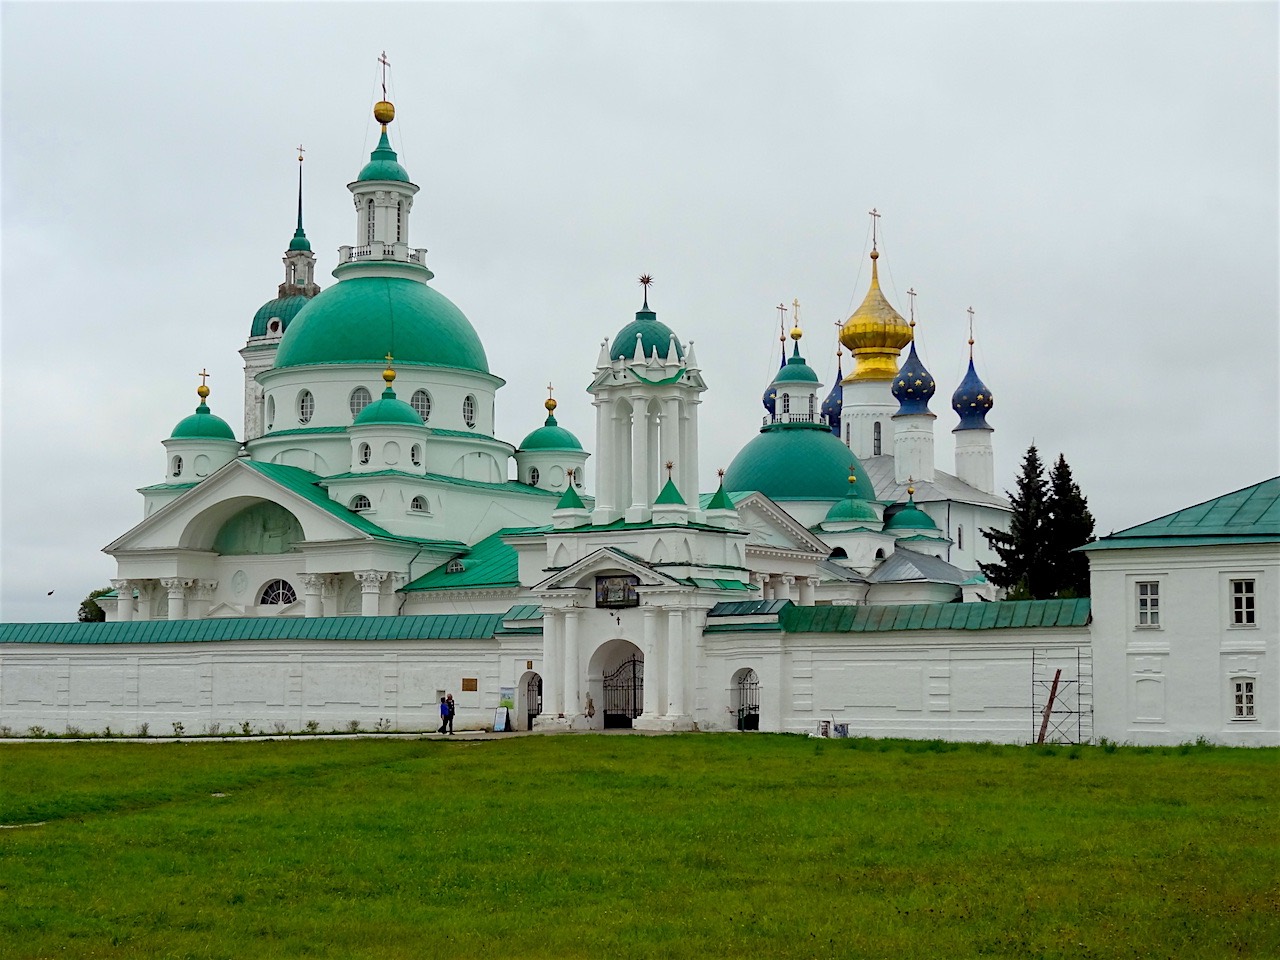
645 281
720 474
670 466
875 217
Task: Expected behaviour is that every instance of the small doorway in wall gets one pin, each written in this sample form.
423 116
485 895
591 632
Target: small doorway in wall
528 699
624 693
746 699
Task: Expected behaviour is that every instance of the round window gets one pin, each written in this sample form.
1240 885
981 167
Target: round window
360 398
306 406
469 411
421 403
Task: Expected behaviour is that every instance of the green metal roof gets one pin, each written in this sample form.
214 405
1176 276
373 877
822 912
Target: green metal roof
652 332
570 500
491 563
850 510
283 309
430 627
361 319
510 486
203 425
1006 614
706 499
383 163
719 500
708 583
747 608
669 495
797 461
1248 515
550 436
168 486
302 431
524 611
795 370
388 409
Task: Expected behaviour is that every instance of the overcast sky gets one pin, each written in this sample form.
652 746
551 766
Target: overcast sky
1099 181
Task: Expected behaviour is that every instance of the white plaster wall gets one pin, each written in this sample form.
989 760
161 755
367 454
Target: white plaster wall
1172 684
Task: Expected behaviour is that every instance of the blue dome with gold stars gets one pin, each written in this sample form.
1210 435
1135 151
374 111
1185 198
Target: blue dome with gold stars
913 387
833 406
972 400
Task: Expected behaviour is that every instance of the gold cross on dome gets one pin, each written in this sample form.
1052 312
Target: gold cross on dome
388 358
782 321
911 292
550 391
385 63
203 374
875 216
795 310
301 151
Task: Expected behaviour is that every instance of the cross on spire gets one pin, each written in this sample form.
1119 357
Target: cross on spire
301 151
911 292
875 217
782 322
385 63
839 326
970 312
388 358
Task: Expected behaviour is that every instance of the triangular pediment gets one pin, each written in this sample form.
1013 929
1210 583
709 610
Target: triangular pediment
604 561
192 520
770 527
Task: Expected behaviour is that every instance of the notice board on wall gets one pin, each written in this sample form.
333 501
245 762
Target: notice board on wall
501 720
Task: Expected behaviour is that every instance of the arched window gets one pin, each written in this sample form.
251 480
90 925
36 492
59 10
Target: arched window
306 406
364 452
469 411
278 592
811 399
578 476
786 403
880 554
415 454
454 566
177 466
875 439
361 502
421 403
960 537
359 399
368 227
533 476
271 412
419 504
399 219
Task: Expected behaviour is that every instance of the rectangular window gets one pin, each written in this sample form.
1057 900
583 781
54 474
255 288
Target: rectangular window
1243 690
1242 603
1149 603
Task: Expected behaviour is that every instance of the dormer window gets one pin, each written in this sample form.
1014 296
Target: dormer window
361 502
454 566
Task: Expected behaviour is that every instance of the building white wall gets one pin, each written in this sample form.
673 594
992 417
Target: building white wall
1172 683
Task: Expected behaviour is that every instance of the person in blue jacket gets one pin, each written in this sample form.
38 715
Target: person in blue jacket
445 715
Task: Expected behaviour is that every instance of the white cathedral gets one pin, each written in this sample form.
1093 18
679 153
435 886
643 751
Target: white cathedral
367 544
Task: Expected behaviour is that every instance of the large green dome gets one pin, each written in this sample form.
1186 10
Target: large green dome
653 333
362 319
797 461
283 309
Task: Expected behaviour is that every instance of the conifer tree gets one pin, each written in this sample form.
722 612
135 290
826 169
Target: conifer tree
1069 525
1022 569
90 611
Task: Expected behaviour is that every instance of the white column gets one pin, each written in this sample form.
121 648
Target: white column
177 588
201 599
573 702
552 671
313 603
675 663
329 593
124 605
766 586
670 443
806 591
657 473
689 439
652 665
640 466
606 480
783 589
370 591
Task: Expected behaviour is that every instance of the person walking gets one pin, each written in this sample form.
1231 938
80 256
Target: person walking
445 716
453 710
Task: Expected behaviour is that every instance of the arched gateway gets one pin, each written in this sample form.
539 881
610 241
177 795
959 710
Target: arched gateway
616 684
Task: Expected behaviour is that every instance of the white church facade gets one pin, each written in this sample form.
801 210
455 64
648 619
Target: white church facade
367 544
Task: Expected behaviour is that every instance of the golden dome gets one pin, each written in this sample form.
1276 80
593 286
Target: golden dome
875 334
384 112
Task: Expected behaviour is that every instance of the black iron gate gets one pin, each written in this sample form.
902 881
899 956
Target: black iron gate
533 699
748 701
624 694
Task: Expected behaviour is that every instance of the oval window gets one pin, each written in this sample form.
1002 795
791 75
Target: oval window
415 454
421 403
533 477
360 398
177 465
364 452
469 411
271 412
306 406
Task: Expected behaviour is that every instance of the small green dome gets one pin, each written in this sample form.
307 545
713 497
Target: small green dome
796 371
797 461
852 509
203 425
299 241
910 517
653 333
283 309
550 436
388 410
361 319
383 164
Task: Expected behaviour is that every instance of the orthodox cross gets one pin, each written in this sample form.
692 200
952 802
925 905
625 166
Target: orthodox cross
385 63
203 375
550 390
782 322
875 216
970 312
795 312
911 292
301 150
839 326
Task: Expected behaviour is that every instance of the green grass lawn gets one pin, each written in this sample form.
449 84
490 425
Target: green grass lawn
616 846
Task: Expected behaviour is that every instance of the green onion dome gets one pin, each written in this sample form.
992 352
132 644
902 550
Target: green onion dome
796 370
389 409
358 320
550 436
797 461
383 163
653 333
283 309
910 517
852 509
299 241
203 425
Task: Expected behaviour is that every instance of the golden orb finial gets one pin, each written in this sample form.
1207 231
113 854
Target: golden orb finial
202 391
550 404
384 111
911 491
388 374
796 333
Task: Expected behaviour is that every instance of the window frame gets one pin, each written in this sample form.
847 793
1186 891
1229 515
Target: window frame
1146 595
534 476
175 465
469 410
1244 703
360 503
1244 603
364 453
421 403
282 590
877 440
359 395
306 406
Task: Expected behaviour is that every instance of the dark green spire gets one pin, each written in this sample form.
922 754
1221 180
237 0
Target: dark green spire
300 241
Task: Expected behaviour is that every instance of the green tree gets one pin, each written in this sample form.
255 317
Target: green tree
1023 569
90 612
1069 525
